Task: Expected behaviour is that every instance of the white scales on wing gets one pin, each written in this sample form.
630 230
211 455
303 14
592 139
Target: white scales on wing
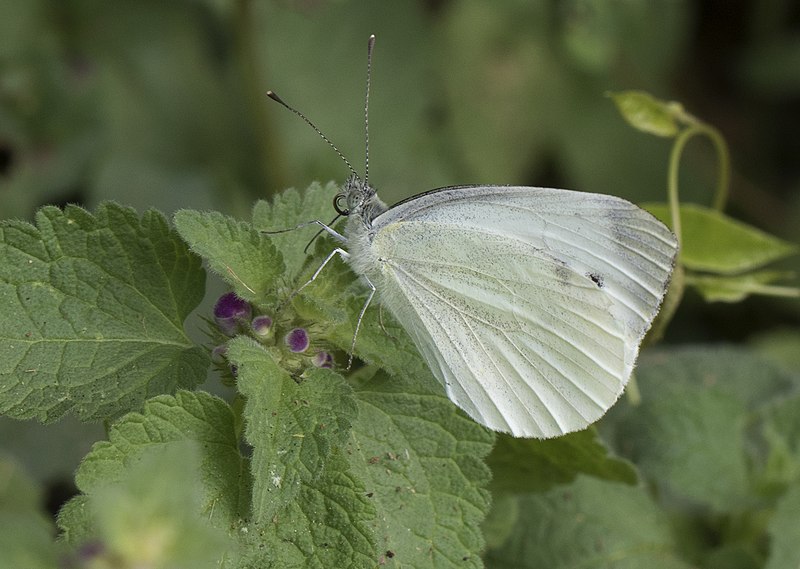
528 304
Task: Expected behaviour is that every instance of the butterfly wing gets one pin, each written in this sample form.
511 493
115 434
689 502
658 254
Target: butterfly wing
528 304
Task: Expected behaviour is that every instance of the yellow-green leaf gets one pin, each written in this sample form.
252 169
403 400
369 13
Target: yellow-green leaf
648 114
715 243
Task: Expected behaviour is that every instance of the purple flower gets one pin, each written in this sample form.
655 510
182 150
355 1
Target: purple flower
261 326
323 359
230 311
297 340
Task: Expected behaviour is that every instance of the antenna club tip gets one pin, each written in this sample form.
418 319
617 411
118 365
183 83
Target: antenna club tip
371 40
274 96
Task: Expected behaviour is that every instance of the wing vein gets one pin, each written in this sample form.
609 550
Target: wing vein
550 345
569 307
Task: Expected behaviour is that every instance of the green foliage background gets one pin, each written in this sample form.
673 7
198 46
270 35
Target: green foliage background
161 105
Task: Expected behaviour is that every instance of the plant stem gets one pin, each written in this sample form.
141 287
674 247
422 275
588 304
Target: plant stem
672 179
723 161
774 290
723 175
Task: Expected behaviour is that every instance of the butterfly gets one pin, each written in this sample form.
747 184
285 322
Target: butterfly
528 304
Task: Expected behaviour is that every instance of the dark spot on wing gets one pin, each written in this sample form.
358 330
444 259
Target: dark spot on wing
597 279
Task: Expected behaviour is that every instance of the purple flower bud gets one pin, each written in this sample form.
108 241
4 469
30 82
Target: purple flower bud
229 311
323 359
297 340
261 326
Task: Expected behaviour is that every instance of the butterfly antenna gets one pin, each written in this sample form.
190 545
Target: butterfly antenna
370 46
274 96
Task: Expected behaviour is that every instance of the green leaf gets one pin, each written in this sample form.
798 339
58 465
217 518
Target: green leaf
589 523
716 243
501 520
223 482
294 426
26 534
340 476
779 346
76 521
423 464
530 465
780 432
309 510
648 114
736 555
688 436
91 313
785 531
154 514
725 288
243 257
289 209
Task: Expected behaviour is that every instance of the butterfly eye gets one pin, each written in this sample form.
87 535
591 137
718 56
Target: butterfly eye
337 205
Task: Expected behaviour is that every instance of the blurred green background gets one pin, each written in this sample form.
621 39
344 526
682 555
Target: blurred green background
162 104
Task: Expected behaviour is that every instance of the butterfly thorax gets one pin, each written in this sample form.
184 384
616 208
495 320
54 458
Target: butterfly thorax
363 206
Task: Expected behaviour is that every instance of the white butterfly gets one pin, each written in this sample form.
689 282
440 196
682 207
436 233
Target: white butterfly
528 304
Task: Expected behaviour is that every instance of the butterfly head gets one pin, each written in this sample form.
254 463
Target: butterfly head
360 199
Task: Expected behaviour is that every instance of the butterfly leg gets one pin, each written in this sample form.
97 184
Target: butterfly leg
360 318
383 327
341 252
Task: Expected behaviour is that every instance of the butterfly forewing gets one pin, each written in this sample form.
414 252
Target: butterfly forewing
528 304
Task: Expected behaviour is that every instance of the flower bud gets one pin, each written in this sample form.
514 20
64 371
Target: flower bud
297 340
261 326
323 359
230 311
